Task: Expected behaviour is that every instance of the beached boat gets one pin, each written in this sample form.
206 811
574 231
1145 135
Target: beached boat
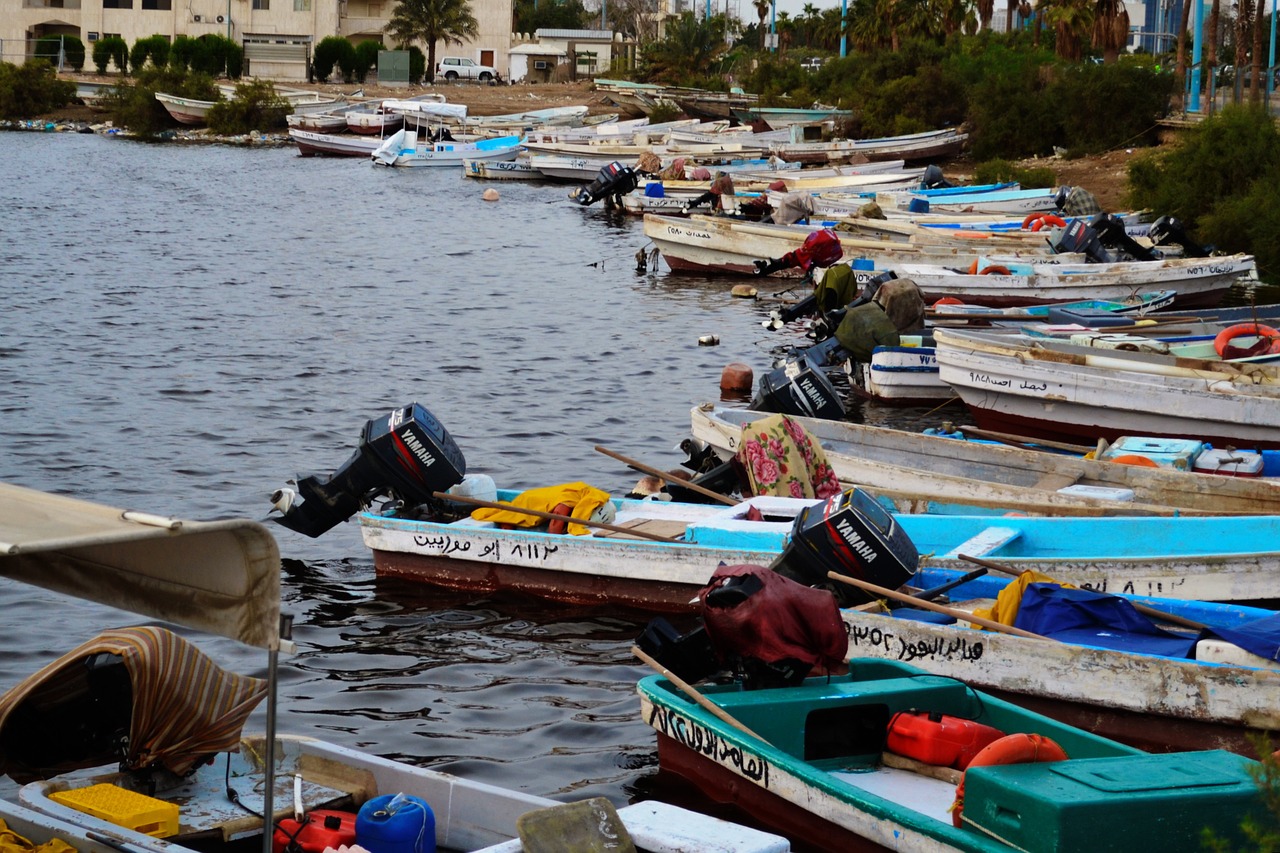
930 468
1005 203
319 118
402 148
817 762
336 144
779 118
1098 385
193 111
373 119
223 578
913 148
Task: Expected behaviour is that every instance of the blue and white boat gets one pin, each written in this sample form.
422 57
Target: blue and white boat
403 148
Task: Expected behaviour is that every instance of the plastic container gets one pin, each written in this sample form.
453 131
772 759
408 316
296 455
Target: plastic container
478 486
1229 463
1179 454
123 808
939 739
396 823
319 829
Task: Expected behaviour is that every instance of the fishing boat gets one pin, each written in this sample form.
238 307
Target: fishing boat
222 578
194 112
913 148
930 468
1190 675
1110 385
856 762
402 148
779 118
311 143
1004 202
518 169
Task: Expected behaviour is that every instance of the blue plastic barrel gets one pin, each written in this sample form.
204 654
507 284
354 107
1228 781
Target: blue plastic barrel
918 205
396 823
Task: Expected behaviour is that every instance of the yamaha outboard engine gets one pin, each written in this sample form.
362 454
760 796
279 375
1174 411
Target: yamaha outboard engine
1077 236
799 387
406 454
613 181
1111 233
850 534
932 179
1169 230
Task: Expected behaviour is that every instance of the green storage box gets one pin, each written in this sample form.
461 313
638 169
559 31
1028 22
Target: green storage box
1123 804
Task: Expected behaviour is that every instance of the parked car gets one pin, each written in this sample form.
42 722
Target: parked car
454 68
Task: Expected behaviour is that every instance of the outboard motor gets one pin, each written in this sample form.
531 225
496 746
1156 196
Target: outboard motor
1169 230
406 454
613 181
799 387
1077 236
932 179
853 535
1111 233
820 249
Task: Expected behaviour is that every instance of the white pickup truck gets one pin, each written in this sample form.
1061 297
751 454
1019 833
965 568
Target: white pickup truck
454 68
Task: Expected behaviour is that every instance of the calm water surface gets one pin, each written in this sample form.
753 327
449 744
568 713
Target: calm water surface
185 328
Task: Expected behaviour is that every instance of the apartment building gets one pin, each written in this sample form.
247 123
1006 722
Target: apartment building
277 35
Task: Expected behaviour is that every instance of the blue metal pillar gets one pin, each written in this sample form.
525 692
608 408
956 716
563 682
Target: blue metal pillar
844 38
773 23
1196 52
1271 59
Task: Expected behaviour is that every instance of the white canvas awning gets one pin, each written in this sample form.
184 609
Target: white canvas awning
220 577
427 109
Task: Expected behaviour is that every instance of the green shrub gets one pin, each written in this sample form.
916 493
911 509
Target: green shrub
366 58
74 50
181 51
109 50
1135 98
255 106
333 51
31 89
417 64
48 48
154 48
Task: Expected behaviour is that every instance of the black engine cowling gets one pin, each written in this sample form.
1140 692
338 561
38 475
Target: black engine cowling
406 454
614 179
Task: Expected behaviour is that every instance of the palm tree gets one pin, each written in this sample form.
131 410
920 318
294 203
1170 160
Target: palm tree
431 21
1110 28
1072 20
987 8
808 19
762 10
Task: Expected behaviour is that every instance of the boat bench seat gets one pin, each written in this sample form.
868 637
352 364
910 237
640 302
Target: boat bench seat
989 541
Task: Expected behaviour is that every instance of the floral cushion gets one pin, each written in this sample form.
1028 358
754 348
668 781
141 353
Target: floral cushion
781 458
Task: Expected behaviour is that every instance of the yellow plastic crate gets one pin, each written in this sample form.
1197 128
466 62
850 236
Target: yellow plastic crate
123 808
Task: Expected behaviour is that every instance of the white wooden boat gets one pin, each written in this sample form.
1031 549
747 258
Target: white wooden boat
708 244
1212 558
780 118
223 578
1005 203
192 111
426 112
1050 388
338 144
914 148
402 148
501 170
373 119
324 121
925 468
1216 700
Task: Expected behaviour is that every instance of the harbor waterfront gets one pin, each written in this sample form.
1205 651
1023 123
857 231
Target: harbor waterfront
185 327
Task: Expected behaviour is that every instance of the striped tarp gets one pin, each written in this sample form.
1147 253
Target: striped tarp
185 707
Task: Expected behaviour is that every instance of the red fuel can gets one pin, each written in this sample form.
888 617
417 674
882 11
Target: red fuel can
938 739
319 829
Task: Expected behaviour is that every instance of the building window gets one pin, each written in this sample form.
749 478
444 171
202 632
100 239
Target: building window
117 4
162 5
302 5
261 5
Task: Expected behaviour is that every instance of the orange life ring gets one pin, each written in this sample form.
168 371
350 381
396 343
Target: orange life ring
948 300
1258 330
1031 217
1018 748
1048 219
995 269
973 267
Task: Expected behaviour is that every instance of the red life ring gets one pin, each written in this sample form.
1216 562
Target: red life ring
1224 338
1048 219
948 300
1031 217
1019 748
995 269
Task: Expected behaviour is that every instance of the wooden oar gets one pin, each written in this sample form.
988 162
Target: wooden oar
692 693
553 516
664 476
1141 608
885 592
1008 438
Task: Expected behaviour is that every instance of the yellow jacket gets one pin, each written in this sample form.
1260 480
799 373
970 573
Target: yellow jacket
582 499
